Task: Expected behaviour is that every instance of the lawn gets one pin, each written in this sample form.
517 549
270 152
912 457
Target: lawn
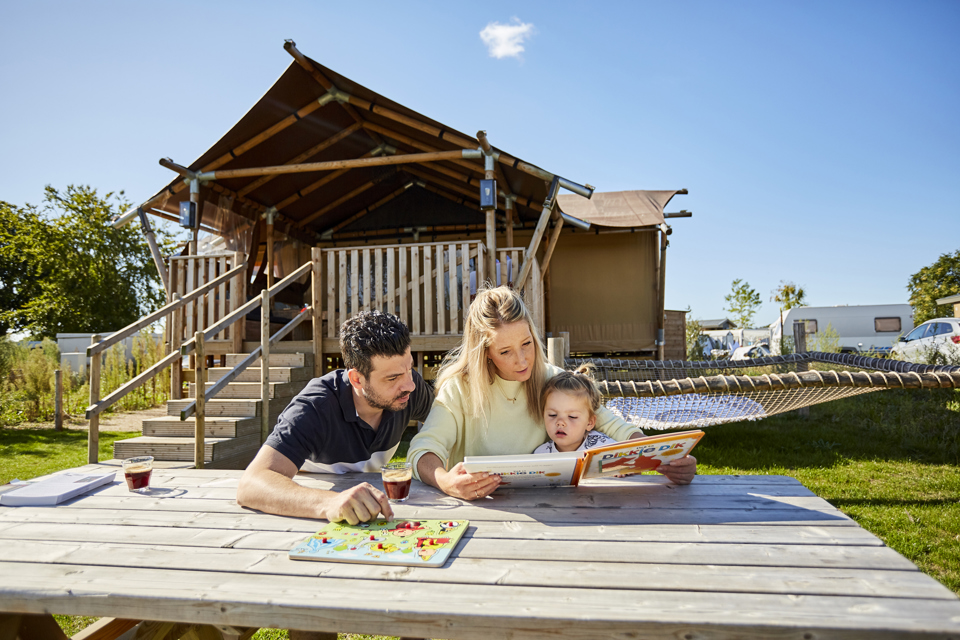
890 460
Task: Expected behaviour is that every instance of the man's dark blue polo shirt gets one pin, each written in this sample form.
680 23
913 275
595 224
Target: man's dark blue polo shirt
320 430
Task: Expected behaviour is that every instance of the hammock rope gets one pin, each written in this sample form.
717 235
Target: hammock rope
663 394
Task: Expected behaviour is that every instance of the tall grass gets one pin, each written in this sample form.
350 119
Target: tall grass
27 380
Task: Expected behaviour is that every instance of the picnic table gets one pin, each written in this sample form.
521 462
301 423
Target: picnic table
639 557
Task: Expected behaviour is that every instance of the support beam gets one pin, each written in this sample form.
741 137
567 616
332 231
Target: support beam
416 144
327 179
306 155
154 249
309 167
661 292
551 245
339 201
509 210
531 251
269 216
360 214
491 214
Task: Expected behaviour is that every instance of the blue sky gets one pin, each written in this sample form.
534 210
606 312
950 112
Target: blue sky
820 141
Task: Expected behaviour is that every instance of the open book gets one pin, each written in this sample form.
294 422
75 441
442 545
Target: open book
568 469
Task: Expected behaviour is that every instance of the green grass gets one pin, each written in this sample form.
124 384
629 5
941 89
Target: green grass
890 460
28 453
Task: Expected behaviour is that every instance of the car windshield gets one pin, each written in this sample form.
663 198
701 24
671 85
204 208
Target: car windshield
917 333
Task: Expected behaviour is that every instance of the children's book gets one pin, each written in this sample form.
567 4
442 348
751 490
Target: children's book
568 469
528 470
56 489
412 543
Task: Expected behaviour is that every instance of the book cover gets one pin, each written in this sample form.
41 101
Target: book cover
412 543
528 470
639 455
56 489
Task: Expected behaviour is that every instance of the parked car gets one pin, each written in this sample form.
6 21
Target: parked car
750 351
935 341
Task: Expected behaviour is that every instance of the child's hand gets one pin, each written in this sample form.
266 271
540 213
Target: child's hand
680 471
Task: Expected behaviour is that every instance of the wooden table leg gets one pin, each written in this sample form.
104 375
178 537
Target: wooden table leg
30 627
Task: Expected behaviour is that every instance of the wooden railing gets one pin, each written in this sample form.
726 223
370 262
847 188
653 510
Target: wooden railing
188 273
173 311
428 286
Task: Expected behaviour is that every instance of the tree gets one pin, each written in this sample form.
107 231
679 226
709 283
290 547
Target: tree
742 302
69 270
939 280
789 295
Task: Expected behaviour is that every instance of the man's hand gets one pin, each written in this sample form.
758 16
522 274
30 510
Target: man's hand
680 471
466 486
357 504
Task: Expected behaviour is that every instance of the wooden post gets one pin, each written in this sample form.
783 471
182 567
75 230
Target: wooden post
270 219
200 385
264 365
176 340
509 207
93 429
58 400
661 292
551 245
565 336
800 346
316 257
555 352
238 297
531 251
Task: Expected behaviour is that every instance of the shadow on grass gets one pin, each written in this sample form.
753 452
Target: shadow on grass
919 426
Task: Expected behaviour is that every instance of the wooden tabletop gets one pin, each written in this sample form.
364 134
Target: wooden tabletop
725 557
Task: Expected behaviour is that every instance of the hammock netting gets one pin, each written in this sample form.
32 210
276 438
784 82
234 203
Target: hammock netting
667 394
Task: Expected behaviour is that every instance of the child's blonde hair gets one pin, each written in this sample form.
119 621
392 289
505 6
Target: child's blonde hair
579 383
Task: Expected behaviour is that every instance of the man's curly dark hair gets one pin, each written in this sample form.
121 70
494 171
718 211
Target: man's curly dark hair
372 333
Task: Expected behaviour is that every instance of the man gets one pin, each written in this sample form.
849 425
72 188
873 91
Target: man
346 421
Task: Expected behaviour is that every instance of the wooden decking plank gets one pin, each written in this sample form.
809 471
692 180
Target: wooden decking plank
462 611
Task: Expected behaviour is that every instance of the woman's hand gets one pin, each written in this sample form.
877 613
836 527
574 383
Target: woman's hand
680 471
466 486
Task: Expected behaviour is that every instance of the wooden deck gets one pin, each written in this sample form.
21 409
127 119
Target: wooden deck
725 557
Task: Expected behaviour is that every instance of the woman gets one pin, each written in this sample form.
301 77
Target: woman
488 400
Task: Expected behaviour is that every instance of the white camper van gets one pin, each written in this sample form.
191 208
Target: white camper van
868 327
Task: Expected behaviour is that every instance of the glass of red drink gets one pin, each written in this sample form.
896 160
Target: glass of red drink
137 472
396 478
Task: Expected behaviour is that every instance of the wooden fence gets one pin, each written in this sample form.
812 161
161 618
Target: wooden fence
429 286
188 273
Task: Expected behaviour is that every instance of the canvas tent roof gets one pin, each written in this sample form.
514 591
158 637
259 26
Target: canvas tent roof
618 208
297 121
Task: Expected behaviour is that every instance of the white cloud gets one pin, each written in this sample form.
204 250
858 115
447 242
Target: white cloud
506 40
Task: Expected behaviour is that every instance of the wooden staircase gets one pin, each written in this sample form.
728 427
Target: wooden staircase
232 423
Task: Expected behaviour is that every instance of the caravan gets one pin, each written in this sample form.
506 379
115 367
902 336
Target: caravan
861 328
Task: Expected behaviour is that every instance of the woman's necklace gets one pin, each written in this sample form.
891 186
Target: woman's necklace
504 392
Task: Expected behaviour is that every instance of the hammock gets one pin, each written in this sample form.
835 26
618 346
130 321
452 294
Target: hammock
666 394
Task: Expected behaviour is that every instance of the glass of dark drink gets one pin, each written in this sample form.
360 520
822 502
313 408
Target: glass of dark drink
396 480
137 471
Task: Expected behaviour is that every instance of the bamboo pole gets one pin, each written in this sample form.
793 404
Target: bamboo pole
176 339
379 203
509 223
416 144
93 429
58 400
264 365
551 245
313 186
200 385
154 249
336 203
309 167
316 291
306 155
238 295
490 214
270 259
531 251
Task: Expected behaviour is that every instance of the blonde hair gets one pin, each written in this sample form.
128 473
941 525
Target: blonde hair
578 383
490 310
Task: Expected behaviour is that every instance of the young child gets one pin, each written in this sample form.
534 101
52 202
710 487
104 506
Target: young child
569 402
